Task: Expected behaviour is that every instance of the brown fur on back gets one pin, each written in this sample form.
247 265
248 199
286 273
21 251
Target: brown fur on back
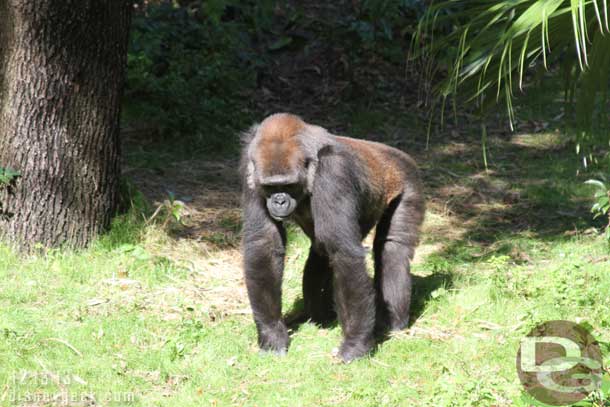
383 172
278 150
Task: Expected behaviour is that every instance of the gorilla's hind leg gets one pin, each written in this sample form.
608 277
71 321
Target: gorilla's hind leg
395 241
318 289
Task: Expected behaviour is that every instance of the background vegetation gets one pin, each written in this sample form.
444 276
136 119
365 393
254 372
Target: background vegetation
155 313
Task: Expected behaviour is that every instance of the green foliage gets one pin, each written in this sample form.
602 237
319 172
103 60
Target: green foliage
601 206
377 20
592 97
176 207
171 210
131 198
602 203
380 25
186 74
488 48
8 176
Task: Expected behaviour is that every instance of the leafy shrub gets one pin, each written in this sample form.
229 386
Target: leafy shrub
601 206
380 24
186 75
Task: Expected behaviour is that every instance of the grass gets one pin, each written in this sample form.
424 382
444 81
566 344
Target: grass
152 316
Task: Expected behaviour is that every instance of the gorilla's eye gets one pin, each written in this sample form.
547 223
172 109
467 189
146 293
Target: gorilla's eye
269 190
290 189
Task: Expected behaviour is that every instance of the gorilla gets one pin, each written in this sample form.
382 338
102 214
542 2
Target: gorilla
336 189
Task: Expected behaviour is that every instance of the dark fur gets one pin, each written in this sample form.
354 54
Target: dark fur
347 191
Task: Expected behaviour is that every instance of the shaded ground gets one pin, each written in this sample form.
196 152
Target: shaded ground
468 206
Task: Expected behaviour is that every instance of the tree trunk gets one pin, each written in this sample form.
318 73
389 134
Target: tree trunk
62 67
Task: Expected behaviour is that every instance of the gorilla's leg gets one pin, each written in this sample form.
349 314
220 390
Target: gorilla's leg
395 241
355 302
318 289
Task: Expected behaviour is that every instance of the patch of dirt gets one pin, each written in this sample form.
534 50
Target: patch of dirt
209 191
206 244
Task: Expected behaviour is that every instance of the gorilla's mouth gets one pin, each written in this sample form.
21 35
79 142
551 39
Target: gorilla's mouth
281 205
279 218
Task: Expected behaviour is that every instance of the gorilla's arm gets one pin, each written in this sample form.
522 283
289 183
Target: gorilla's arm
335 207
264 248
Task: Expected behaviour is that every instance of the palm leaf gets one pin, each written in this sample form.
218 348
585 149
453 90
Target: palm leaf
490 46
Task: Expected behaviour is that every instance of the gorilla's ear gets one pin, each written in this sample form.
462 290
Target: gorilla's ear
250 175
247 136
247 165
312 165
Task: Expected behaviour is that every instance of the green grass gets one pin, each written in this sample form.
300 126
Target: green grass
142 319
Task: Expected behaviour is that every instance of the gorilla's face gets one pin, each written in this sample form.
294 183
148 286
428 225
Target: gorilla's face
281 205
280 167
282 199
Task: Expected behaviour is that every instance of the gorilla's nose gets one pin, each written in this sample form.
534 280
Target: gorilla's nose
280 199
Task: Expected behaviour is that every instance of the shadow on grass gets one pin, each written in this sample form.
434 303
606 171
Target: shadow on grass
297 316
530 192
423 287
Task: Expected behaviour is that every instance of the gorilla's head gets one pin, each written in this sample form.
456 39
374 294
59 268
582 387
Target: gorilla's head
280 166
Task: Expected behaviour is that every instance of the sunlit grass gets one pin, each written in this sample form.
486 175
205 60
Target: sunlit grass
143 318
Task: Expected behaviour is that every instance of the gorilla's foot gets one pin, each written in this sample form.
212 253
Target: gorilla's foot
351 349
274 338
398 324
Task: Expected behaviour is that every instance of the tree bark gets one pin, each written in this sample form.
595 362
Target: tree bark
62 67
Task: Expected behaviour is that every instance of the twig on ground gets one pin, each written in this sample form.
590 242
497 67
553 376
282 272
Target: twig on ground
66 344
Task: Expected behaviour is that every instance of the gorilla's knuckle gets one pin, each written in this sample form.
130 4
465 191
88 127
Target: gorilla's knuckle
274 337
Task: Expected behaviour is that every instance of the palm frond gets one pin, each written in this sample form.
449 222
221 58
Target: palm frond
489 46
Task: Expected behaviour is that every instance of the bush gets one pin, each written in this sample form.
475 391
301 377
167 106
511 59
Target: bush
186 76
383 26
